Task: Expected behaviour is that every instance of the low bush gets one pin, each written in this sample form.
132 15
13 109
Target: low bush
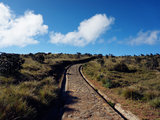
101 61
149 95
138 59
39 57
10 64
121 67
155 102
132 94
107 83
114 60
152 63
100 77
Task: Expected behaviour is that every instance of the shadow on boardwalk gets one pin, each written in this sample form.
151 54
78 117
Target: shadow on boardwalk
67 101
60 106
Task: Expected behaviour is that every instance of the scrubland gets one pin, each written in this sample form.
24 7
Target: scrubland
133 81
29 84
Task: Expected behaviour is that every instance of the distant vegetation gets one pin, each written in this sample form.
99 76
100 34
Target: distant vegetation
10 64
29 83
134 78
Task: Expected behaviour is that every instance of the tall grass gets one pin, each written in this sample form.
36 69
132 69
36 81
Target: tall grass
30 91
131 77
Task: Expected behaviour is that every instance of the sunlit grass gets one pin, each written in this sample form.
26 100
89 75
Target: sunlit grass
26 94
139 83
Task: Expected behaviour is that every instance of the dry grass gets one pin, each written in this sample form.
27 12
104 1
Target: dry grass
33 91
26 94
139 83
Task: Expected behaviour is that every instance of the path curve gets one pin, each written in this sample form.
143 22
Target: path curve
82 102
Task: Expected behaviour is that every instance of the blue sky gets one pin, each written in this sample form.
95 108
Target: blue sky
120 27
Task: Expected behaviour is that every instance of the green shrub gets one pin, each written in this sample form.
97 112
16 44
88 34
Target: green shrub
138 59
132 94
39 57
113 60
101 61
155 102
100 77
10 64
149 95
152 63
121 67
47 94
100 56
107 83
91 73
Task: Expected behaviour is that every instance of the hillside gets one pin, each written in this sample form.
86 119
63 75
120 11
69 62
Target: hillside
133 81
30 83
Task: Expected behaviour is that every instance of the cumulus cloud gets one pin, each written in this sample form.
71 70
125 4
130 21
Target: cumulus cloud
19 31
149 38
88 31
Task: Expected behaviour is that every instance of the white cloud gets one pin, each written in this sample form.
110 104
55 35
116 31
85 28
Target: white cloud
19 31
111 40
88 31
101 41
149 37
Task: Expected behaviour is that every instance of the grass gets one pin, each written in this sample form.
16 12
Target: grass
25 99
155 102
27 94
13 106
130 78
